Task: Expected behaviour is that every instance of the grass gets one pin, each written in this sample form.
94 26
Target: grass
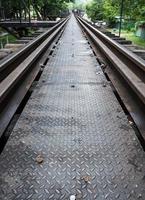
131 36
7 38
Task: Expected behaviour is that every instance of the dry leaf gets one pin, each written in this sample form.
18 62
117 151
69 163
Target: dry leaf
86 178
39 159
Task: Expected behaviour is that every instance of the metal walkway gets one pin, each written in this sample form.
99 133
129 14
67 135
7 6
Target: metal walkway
18 24
73 137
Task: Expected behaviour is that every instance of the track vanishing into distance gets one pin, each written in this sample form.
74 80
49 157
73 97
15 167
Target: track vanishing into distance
80 97
123 68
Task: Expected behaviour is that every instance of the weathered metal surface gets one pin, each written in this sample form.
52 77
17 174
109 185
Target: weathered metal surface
11 62
129 70
10 87
140 53
73 137
130 73
18 73
120 50
36 24
124 41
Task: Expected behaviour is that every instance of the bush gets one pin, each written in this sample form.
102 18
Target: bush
128 26
139 24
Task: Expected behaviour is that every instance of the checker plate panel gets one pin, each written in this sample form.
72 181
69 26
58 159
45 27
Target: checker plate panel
75 124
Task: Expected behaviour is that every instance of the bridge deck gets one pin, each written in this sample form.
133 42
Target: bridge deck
18 24
73 137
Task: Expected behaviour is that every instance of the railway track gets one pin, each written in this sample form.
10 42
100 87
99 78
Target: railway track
19 71
125 71
12 48
140 51
72 140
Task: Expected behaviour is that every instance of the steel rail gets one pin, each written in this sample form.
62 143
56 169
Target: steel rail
111 43
133 80
16 84
131 70
17 73
13 61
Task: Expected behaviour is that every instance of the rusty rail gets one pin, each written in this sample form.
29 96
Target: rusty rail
8 65
19 71
126 72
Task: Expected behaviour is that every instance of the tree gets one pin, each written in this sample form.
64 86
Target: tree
94 10
43 8
109 9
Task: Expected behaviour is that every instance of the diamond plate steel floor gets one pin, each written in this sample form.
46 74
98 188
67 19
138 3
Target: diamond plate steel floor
74 126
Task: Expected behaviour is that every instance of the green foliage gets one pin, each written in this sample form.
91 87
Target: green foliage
128 25
102 9
94 10
43 8
53 8
8 38
109 9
